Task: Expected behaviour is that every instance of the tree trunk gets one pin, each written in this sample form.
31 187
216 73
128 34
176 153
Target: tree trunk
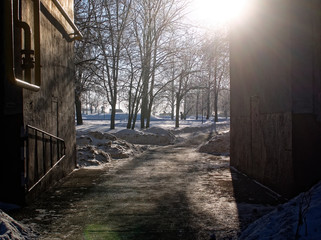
144 105
129 122
215 107
185 107
197 103
172 97
172 110
208 104
151 89
149 111
113 115
177 110
130 113
148 117
78 110
142 117
135 117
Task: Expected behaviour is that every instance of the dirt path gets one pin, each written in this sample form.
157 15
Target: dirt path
171 192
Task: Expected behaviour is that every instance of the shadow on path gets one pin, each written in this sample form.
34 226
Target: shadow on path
166 193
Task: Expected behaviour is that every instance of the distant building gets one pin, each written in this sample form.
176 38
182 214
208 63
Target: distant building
37 96
276 94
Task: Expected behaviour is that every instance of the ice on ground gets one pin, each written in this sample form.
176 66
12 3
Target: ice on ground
11 229
300 218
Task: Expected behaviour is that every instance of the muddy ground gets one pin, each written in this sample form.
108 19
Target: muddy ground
167 192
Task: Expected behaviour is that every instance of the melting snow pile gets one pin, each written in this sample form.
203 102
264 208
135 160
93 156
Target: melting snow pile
150 136
96 148
219 144
11 229
300 218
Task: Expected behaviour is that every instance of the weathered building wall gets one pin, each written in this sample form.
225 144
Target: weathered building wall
11 164
50 109
11 119
271 79
306 91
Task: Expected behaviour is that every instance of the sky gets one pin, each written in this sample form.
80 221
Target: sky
216 12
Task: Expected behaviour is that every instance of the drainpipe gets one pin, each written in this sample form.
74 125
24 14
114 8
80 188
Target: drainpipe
27 60
31 58
36 24
27 52
77 34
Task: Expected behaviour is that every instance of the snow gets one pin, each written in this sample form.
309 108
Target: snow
11 229
299 218
95 122
217 145
97 145
151 136
281 223
96 148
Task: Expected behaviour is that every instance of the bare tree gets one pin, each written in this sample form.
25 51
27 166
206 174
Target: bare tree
111 20
152 21
85 56
132 85
215 67
140 53
189 60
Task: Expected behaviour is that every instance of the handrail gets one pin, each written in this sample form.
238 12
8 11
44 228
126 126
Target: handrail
42 131
77 34
46 165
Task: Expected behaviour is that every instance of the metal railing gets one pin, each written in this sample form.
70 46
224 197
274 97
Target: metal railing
43 152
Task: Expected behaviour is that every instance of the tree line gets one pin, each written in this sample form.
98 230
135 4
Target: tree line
145 54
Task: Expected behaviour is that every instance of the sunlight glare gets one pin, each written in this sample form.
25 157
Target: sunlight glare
213 12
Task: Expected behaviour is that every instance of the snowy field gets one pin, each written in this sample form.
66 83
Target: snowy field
101 122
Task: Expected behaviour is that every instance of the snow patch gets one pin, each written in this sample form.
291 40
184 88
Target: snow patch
300 218
195 128
150 136
218 145
97 144
11 229
96 148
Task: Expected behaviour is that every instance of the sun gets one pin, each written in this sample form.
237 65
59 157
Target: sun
213 12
